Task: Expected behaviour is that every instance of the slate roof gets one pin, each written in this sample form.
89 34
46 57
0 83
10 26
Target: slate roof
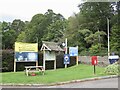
51 46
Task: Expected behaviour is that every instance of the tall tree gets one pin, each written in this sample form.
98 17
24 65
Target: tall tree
18 25
48 26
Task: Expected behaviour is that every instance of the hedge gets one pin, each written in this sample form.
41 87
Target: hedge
8 61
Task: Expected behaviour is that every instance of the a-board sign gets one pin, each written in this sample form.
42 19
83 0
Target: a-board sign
73 51
66 59
26 51
50 55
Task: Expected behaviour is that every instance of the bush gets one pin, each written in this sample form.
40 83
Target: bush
7 60
113 69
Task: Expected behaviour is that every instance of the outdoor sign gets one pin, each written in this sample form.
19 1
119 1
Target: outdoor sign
50 55
66 59
26 51
73 51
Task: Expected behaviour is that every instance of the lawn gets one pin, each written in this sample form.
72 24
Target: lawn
52 76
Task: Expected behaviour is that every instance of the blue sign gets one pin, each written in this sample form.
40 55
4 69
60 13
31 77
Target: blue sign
73 51
26 56
66 59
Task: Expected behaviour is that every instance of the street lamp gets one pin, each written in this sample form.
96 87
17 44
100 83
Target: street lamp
65 45
108 37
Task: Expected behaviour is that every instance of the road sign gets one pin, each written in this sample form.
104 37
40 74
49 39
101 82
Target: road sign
66 59
73 51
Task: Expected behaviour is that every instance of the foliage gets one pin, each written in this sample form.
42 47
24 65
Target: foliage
97 49
115 40
9 38
49 27
88 27
85 29
7 60
18 25
113 69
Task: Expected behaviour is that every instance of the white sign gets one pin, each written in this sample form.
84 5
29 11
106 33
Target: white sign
73 51
50 55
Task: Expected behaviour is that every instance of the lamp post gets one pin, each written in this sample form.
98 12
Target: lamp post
108 37
66 50
65 45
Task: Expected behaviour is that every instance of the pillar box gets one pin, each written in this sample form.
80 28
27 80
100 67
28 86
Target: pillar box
94 60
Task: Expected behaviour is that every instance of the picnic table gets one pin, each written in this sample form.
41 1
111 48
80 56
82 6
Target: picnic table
29 69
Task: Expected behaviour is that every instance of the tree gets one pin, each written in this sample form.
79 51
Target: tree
18 25
49 27
95 38
9 38
115 40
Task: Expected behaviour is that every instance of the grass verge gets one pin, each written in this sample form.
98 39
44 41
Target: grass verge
53 76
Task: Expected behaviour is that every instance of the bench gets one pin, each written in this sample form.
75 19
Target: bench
29 69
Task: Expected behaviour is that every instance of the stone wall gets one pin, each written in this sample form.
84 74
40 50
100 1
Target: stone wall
102 60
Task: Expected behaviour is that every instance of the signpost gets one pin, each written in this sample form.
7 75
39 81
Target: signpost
66 59
94 62
26 52
73 51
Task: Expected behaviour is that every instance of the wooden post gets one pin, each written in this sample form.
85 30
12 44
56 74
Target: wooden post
37 63
76 60
14 65
94 70
55 61
44 58
54 64
37 47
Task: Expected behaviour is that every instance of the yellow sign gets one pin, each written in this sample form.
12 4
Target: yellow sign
26 47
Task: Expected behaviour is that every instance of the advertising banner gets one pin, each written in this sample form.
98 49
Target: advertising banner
26 51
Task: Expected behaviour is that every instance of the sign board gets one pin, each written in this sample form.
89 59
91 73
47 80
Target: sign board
94 60
26 56
73 51
50 55
26 51
66 59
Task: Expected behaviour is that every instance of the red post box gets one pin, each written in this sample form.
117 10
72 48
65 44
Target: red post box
94 60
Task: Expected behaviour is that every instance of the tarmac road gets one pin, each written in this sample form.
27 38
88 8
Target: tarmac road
103 83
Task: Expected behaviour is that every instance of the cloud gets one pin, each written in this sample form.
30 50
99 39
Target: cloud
25 9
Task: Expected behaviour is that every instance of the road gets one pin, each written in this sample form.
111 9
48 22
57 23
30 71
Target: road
103 83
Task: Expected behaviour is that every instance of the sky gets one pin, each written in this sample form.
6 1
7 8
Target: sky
26 9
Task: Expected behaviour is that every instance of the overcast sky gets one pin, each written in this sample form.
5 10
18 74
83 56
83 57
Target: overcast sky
25 9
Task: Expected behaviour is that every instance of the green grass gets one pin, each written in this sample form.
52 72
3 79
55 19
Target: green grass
52 76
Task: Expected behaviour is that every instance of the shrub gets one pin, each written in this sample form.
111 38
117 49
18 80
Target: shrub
7 60
113 69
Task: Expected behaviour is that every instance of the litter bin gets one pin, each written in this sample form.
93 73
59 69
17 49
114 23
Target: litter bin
113 59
